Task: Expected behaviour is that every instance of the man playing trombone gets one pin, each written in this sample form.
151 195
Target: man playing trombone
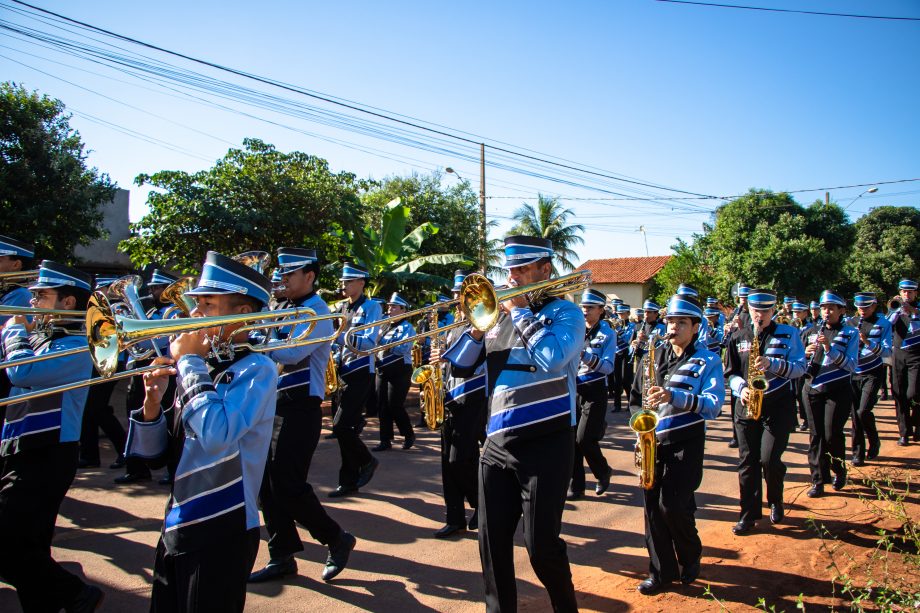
40 445
286 495
15 258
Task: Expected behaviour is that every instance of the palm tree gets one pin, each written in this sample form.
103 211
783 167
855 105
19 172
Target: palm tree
550 220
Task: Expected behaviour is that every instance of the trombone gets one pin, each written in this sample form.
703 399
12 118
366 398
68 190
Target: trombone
19 278
479 302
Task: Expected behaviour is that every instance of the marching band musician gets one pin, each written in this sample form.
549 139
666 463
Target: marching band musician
688 290
831 354
39 445
625 336
815 307
786 311
597 361
278 291
286 495
394 373
689 389
713 303
651 324
905 364
461 433
716 331
216 439
874 346
739 319
615 382
800 312
357 372
762 441
531 357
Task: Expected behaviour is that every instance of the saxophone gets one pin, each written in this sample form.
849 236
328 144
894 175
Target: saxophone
644 421
756 381
428 377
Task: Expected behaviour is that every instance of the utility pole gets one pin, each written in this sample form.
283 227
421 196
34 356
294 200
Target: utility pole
482 208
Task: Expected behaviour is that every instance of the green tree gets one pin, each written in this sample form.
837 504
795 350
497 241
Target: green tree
48 195
689 264
886 250
253 198
548 219
394 257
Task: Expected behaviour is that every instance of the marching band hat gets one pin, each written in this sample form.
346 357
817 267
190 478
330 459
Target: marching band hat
161 278
398 300
711 301
743 291
523 250
640 312
105 280
223 275
687 290
52 274
623 308
762 298
864 299
711 312
615 301
829 297
443 298
276 276
649 305
350 270
11 246
798 307
295 258
379 300
908 284
459 276
814 305
789 299
684 306
593 297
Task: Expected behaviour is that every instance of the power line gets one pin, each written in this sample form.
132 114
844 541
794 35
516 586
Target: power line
797 11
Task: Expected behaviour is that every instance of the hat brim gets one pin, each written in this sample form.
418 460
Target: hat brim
46 285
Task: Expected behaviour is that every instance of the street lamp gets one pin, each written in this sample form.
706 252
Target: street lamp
451 171
871 190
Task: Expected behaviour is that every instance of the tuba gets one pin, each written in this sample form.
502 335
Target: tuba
644 421
428 377
756 381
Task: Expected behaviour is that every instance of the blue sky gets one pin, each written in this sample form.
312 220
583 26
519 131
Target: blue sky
705 100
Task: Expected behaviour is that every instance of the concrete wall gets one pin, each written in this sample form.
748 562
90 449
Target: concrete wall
104 252
633 294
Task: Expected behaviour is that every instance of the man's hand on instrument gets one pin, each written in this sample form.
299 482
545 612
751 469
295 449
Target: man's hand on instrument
824 340
155 384
810 350
762 363
659 395
19 320
190 343
745 395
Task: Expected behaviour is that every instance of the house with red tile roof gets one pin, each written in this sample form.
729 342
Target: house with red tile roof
626 278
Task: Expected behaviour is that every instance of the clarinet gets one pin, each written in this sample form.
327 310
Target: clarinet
817 357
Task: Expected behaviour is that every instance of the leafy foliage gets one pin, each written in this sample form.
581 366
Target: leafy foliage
47 194
548 219
887 249
689 264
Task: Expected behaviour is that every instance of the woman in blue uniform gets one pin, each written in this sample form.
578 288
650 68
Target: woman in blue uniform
394 371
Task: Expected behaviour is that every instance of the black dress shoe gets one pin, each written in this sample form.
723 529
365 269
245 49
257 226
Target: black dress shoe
902 441
917 437
574 495
275 569
474 520
382 447
449 530
367 472
803 427
690 573
81 463
132 478
840 482
119 462
342 491
857 461
603 483
410 440
733 444
89 599
872 453
776 513
816 491
338 556
744 526
650 586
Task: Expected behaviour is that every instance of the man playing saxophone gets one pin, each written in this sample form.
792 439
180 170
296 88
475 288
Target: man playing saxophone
773 352
689 388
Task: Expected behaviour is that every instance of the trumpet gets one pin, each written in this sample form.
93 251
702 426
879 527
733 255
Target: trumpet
895 303
479 302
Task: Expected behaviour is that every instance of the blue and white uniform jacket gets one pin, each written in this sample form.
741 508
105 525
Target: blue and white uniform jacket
52 419
532 359
18 296
697 387
400 354
715 339
838 363
780 343
703 336
363 311
462 392
906 331
215 441
625 336
303 369
871 355
598 357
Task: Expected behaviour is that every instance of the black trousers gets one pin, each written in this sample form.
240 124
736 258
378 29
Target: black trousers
615 382
210 579
905 385
460 460
530 480
800 397
865 394
31 491
98 413
345 426
592 423
286 495
761 445
670 505
392 389
828 412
